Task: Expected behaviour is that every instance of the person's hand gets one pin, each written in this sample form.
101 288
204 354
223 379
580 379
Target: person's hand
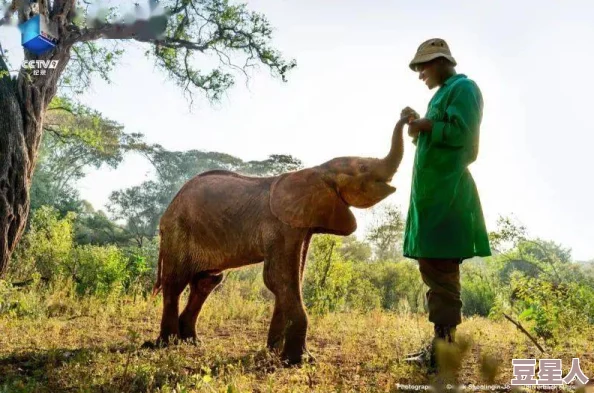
420 125
406 116
410 114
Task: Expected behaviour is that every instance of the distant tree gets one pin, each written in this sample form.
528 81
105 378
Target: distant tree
518 251
355 250
139 208
275 164
94 227
386 232
76 139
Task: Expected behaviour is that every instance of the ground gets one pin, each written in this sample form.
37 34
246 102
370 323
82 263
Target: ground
94 346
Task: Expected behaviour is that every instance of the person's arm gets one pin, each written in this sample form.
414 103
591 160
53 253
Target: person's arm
415 127
463 117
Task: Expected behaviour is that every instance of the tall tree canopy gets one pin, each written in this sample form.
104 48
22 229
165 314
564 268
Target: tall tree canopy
177 33
75 139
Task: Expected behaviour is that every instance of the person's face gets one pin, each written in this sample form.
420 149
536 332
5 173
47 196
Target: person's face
431 72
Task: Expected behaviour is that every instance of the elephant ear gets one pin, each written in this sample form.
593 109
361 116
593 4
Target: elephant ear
303 199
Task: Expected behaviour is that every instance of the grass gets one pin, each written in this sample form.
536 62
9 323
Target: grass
93 345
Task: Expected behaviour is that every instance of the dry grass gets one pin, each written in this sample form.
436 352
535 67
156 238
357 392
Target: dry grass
95 347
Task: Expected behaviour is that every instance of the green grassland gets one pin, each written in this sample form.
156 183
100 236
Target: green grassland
71 344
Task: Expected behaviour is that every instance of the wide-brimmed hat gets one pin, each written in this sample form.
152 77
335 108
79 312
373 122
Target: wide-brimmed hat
431 49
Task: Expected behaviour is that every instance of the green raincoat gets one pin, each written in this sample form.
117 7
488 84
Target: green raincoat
445 217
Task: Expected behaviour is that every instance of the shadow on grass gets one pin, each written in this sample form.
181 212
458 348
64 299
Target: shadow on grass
33 371
74 370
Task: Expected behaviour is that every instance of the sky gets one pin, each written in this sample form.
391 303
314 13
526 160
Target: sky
531 60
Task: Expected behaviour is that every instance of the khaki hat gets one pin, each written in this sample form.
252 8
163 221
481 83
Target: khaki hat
431 49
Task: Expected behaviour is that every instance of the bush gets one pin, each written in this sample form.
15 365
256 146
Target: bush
555 311
332 284
19 302
479 289
98 270
327 279
46 247
398 283
141 266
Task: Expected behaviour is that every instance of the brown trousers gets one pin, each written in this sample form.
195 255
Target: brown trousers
442 276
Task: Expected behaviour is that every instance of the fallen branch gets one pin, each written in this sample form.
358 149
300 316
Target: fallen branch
524 331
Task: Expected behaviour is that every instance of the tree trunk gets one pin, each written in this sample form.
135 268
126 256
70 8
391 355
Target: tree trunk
22 107
14 166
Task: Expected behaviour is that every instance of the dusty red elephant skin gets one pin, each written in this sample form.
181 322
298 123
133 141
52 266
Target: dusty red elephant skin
221 220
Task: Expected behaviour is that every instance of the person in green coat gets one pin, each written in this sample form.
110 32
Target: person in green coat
445 222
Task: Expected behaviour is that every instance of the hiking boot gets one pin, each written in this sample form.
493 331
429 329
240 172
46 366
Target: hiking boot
445 332
426 357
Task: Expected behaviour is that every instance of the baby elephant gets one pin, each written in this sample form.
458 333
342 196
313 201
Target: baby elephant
221 220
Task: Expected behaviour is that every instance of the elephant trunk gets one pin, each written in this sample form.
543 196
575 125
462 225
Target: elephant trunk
391 162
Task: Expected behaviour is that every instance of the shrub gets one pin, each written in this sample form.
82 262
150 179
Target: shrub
98 270
479 289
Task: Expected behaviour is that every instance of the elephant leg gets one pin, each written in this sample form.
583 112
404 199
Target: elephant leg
276 333
200 287
283 275
170 317
296 326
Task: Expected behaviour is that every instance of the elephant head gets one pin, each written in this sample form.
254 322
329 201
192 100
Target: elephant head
319 197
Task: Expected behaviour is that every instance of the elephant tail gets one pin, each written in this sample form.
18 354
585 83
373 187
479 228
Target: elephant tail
157 287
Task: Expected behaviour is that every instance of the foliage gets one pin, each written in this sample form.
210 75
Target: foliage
225 39
141 267
97 269
229 32
353 249
556 311
95 227
76 138
480 288
386 232
554 295
399 284
46 247
327 278
49 251
140 209
333 283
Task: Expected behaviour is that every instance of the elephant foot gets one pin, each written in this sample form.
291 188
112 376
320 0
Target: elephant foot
275 346
293 358
298 357
158 343
291 361
187 332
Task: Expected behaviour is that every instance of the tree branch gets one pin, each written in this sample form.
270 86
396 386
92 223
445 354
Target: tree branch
524 331
140 30
60 108
60 10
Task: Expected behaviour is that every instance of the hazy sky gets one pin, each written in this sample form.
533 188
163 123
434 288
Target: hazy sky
531 59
